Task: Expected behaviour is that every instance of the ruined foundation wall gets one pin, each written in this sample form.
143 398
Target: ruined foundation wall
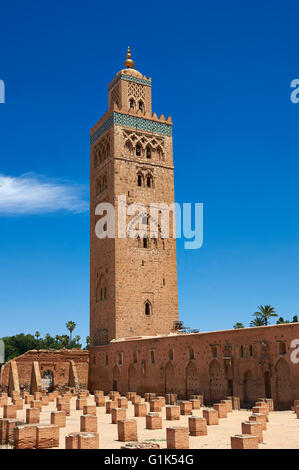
58 362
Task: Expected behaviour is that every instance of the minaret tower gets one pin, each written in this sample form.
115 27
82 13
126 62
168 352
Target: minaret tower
133 281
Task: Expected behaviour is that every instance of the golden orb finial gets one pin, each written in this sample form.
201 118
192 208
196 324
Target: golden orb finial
129 62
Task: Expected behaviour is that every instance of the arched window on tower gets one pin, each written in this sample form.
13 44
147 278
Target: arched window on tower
128 149
141 105
145 242
101 289
138 150
132 103
159 153
148 181
147 308
148 152
139 180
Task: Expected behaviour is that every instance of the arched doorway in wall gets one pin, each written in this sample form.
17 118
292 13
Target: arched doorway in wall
283 385
191 380
267 381
132 380
170 381
116 378
248 389
47 380
217 386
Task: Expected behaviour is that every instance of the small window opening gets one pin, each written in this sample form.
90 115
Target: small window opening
282 348
152 357
120 359
214 351
147 310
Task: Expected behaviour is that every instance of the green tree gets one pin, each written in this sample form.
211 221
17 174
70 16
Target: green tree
87 342
63 340
71 325
265 312
281 320
295 319
19 344
238 325
258 321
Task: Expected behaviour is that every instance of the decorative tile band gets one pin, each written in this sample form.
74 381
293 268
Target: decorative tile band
141 81
102 129
131 121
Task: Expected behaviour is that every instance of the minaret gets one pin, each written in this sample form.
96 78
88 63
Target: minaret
133 281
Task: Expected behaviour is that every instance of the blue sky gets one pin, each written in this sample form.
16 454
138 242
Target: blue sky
222 70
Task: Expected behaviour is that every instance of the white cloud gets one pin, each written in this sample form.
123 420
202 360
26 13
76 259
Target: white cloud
36 194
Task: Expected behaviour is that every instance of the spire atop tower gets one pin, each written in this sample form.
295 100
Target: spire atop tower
129 62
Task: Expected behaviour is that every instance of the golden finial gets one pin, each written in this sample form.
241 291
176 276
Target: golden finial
129 62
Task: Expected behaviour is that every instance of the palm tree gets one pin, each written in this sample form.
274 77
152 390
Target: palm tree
37 335
281 320
238 325
258 321
265 312
48 338
63 340
71 325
